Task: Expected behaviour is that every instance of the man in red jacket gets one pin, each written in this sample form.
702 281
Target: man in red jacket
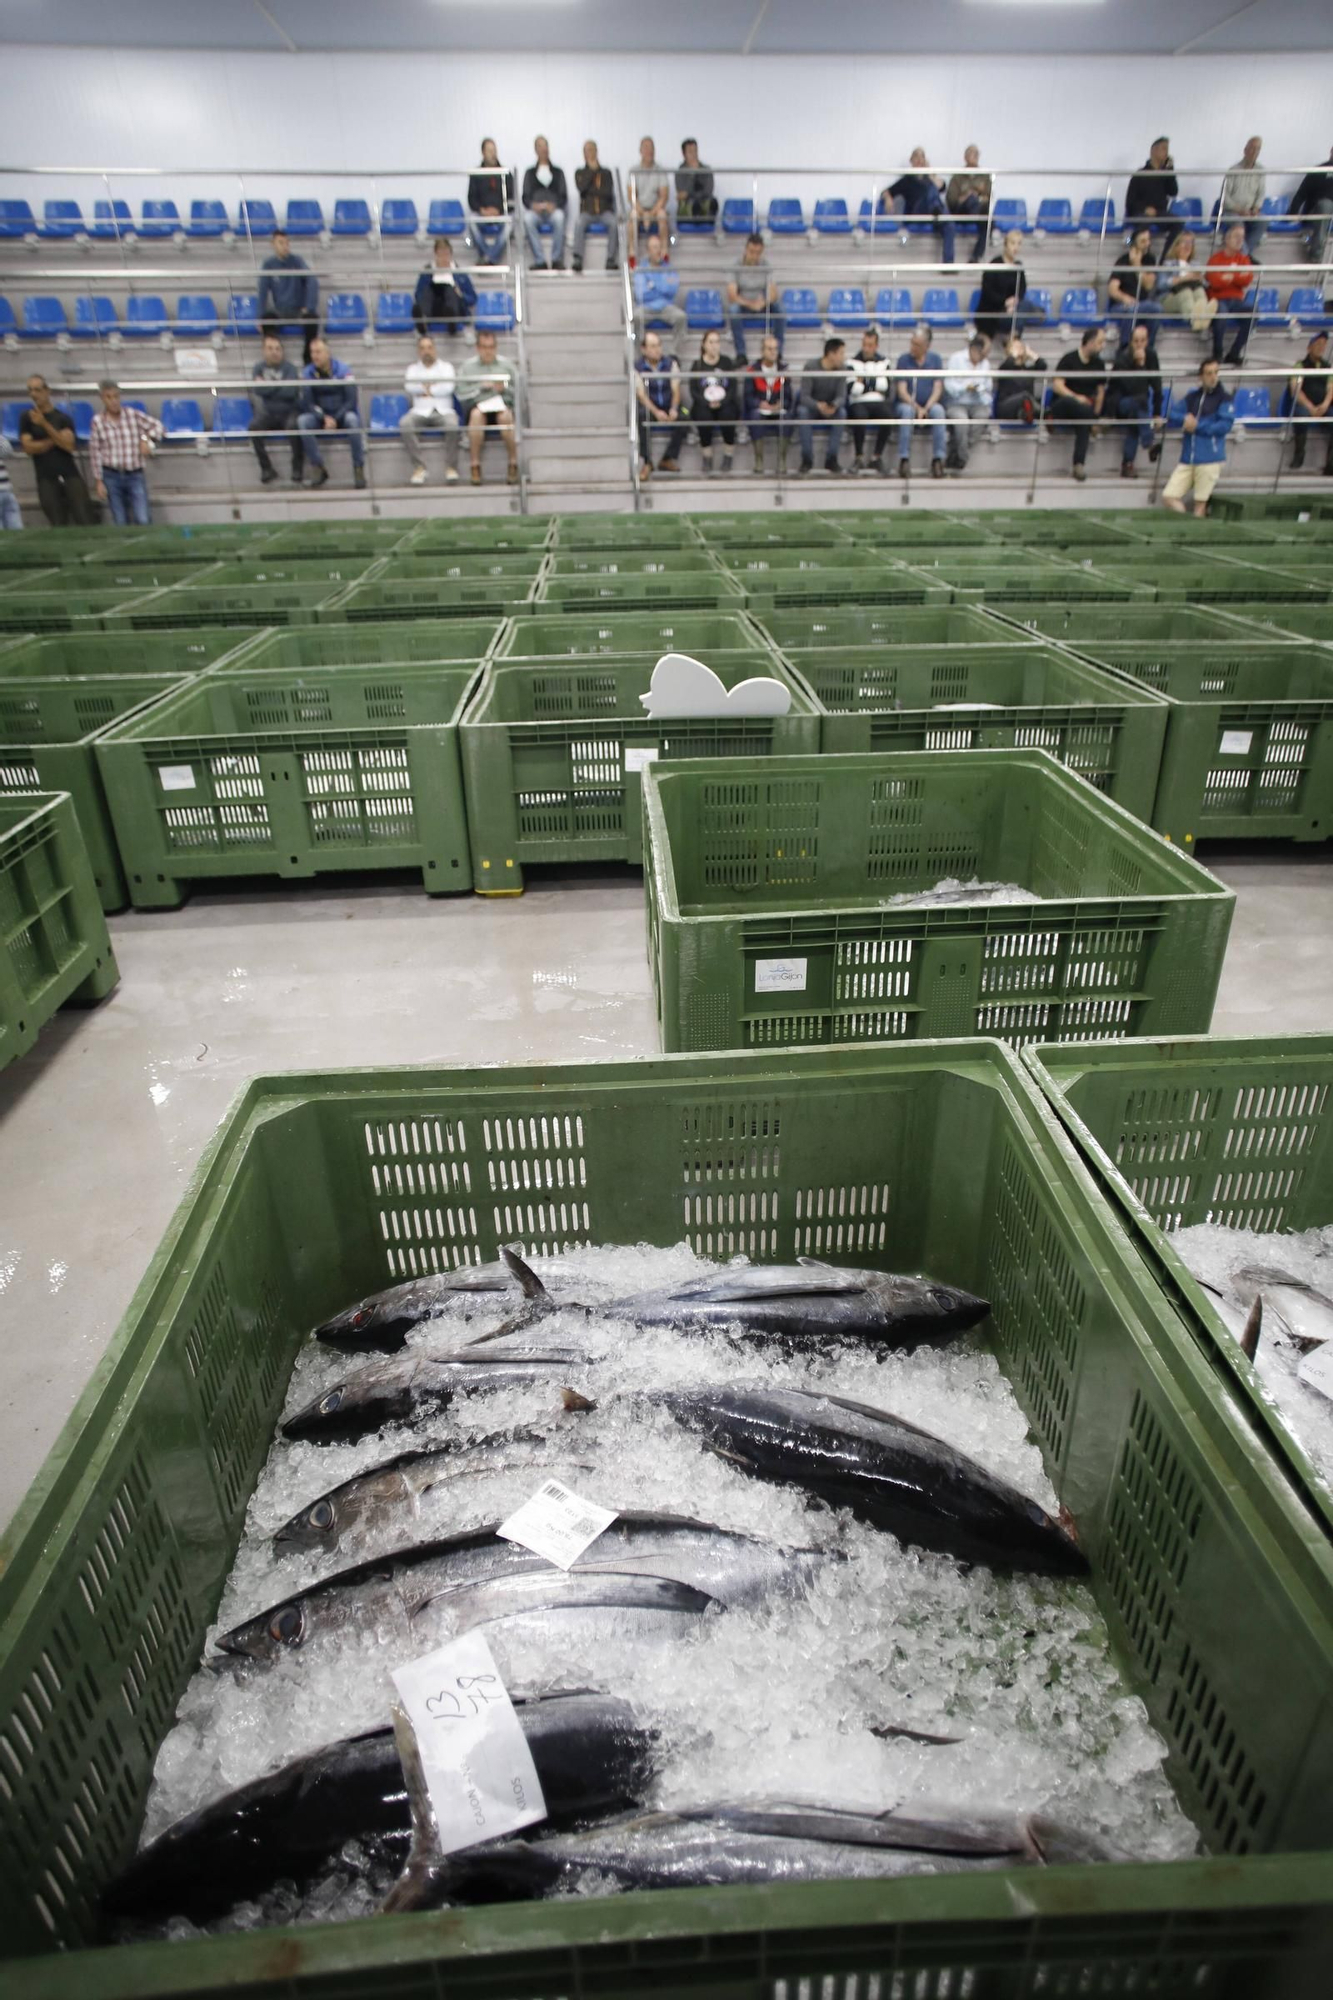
1230 275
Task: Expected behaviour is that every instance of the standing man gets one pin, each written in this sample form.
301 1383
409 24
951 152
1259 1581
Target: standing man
444 295
658 389
695 200
753 294
46 434
649 197
486 386
545 199
597 203
1079 386
1243 196
920 400
277 407
821 403
121 444
967 199
330 406
1208 418
430 383
288 293
1152 190
968 396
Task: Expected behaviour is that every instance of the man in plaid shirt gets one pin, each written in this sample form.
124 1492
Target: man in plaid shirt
121 440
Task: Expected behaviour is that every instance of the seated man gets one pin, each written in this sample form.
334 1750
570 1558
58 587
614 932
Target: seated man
821 403
597 203
1136 399
46 436
1308 401
649 197
655 288
918 196
920 401
1314 199
490 200
768 405
1003 292
545 201
695 201
276 398
1230 274
968 391
1017 391
658 388
1079 384
967 199
868 396
430 383
330 405
288 293
1208 418
445 296
1130 287
752 294
486 389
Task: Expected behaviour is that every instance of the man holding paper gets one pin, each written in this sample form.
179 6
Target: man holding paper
486 386
430 384
445 296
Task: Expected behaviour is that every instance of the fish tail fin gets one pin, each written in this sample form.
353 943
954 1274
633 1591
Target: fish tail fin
571 1400
527 1278
1249 1340
423 1882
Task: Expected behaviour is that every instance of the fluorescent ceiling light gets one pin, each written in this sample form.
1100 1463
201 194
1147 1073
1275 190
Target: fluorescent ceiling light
1034 3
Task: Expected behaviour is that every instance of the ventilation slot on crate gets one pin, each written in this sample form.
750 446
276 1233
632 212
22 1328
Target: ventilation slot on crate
1153 1520
1036 1303
422 1164
16 776
1208 1744
538 1174
839 1220
893 845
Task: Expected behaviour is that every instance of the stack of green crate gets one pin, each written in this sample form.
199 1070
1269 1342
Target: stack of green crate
1141 623
772 531
939 624
1001 576
600 532
1079 528
492 534
790 578
1284 621
42 607
240 601
429 593
897 533
1306 569
777 914
702 634
1199 576
266 571
443 641
327 540
686 579
54 945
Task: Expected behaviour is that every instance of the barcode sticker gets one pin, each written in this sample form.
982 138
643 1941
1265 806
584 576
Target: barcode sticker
1236 742
637 760
454 1718
176 777
557 1523
780 975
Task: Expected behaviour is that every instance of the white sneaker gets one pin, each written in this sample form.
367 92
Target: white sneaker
418 477
450 476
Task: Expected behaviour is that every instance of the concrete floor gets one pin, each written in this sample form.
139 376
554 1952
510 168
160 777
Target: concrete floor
105 1118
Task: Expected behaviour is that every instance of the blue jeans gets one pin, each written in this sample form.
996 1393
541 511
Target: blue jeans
11 514
939 435
811 421
490 238
770 318
1134 412
126 496
310 423
532 229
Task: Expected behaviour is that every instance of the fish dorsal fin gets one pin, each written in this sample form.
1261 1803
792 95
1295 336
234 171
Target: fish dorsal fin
526 1277
1249 1340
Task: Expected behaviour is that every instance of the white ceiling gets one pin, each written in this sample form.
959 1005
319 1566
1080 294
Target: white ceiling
759 27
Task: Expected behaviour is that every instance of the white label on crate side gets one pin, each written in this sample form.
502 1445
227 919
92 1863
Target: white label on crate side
780 975
176 777
1236 742
557 1524
637 760
1302 517
473 1755
1316 1370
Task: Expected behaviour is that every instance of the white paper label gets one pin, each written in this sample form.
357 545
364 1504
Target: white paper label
176 777
780 975
1316 1370
1302 517
1236 742
637 760
474 1756
196 363
557 1524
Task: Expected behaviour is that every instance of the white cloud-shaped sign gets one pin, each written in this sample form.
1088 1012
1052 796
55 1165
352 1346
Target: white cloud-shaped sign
682 686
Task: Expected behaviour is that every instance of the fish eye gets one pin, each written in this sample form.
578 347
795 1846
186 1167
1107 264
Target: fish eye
360 1316
328 1404
946 1301
285 1625
321 1515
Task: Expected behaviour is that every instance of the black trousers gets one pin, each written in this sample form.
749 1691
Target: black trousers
286 422
675 434
871 437
309 324
1068 410
1016 406
64 499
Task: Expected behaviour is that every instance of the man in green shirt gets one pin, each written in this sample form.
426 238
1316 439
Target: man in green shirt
485 388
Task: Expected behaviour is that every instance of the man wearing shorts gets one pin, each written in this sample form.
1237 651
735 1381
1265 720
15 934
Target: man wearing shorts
1208 418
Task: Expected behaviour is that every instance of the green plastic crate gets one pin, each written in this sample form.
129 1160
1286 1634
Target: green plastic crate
253 605
784 559
707 589
325 540
554 750
901 530
263 571
78 611
445 640
898 625
700 633
769 919
787 589
1137 623
1295 621
53 933
200 541
86 656
688 563
48 723
454 565
982 577
1214 1584
1035 697
1232 1131
497 534
756 530
1061 527
1295 507
1249 742
1310 568
121 580
424 597
624 531
1207 579
35 548
264 773
1156 525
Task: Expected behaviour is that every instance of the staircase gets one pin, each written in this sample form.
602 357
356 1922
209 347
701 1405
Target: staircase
577 410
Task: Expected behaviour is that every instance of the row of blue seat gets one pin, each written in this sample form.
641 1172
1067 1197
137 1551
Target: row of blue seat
43 316
849 306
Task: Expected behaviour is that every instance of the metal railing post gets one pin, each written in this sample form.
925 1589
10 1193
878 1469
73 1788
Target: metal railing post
521 413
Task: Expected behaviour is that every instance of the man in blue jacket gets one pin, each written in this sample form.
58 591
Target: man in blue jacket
445 296
330 405
1208 417
288 293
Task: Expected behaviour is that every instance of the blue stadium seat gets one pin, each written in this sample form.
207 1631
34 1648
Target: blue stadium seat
871 223
1188 208
1280 221
17 219
786 217
398 217
703 307
10 418
1097 212
62 220
243 313
831 217
182 417
159 218
693 226
1055 216
196 315
43 317
495 312
82 414
387 413
447 218
94 318
345 313
146 317
111 221
1253 406
737 217
351 217
207 218
800 306
1010 213
1267 305
847 306
256 218
305 218
393 312
1079 307
1306 306
939 305
1038 295
893 306
231 416
134 403
9 326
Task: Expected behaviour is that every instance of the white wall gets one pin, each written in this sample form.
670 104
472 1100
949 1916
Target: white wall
411 117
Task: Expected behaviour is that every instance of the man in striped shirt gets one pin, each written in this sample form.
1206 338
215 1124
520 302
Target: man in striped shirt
121 441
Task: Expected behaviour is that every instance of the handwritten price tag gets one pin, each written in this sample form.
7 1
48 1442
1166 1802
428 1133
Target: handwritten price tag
474 1758
557 1524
